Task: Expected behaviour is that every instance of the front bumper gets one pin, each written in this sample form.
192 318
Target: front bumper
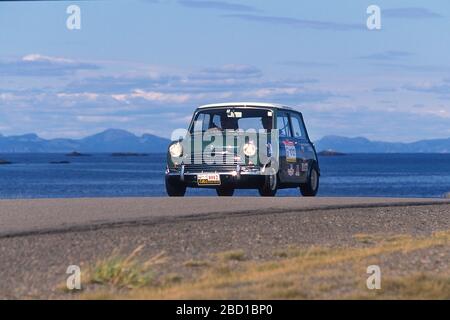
235 176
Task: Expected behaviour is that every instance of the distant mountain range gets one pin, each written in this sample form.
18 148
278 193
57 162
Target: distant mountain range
116 140
363 145
111 140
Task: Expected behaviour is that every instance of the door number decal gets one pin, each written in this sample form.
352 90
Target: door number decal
291 153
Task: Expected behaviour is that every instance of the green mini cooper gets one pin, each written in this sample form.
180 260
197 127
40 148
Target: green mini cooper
243 145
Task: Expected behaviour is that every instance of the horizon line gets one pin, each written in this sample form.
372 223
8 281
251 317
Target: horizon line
157 136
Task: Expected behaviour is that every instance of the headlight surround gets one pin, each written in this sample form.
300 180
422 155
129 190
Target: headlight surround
176 150
249 149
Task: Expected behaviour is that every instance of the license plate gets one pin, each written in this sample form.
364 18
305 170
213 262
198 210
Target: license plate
208 179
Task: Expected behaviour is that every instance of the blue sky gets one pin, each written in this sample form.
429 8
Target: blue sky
145 65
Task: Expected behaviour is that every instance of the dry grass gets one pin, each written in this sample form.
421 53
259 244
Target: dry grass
125 272
196 263
415 286
302 273
366 238
232 255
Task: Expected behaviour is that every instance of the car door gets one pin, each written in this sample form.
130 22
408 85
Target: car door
305 152
288 152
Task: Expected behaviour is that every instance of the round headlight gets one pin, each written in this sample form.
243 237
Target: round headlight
249 149
176 150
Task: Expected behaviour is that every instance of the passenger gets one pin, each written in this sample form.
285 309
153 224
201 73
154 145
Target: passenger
229 123
214 126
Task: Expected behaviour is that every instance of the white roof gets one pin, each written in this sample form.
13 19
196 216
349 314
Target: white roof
245 104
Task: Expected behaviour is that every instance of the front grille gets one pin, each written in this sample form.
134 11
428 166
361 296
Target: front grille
221 156
195 168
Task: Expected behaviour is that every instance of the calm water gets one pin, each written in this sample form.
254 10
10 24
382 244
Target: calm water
101 175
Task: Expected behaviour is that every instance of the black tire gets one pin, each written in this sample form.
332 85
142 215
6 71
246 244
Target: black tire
225 192
310 188
269 187
175 189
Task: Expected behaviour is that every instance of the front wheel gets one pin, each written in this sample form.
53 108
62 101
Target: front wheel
270 186
225 192
310 188
175 189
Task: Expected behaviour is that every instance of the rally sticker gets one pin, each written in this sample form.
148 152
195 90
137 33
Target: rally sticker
291 170
291 154
305 166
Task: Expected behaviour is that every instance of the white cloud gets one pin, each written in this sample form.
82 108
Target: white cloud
38 66
38 57
84 95
160 96
268 92
7 97
101 119
165 99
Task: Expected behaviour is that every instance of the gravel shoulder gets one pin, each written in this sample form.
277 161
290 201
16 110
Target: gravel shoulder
33 265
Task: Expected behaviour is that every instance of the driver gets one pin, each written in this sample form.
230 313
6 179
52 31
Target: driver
228 123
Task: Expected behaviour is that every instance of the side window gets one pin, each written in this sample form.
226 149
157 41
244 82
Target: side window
297 127
283 125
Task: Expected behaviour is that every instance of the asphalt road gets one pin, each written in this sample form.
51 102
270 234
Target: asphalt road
28 217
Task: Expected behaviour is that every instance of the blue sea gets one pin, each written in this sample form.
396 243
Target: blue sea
103 175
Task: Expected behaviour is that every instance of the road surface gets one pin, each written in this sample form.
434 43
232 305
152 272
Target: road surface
25 217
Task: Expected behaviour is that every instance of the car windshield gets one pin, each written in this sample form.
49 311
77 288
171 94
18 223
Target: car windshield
232 119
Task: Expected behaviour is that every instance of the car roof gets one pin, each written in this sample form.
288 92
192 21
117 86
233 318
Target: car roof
245 104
